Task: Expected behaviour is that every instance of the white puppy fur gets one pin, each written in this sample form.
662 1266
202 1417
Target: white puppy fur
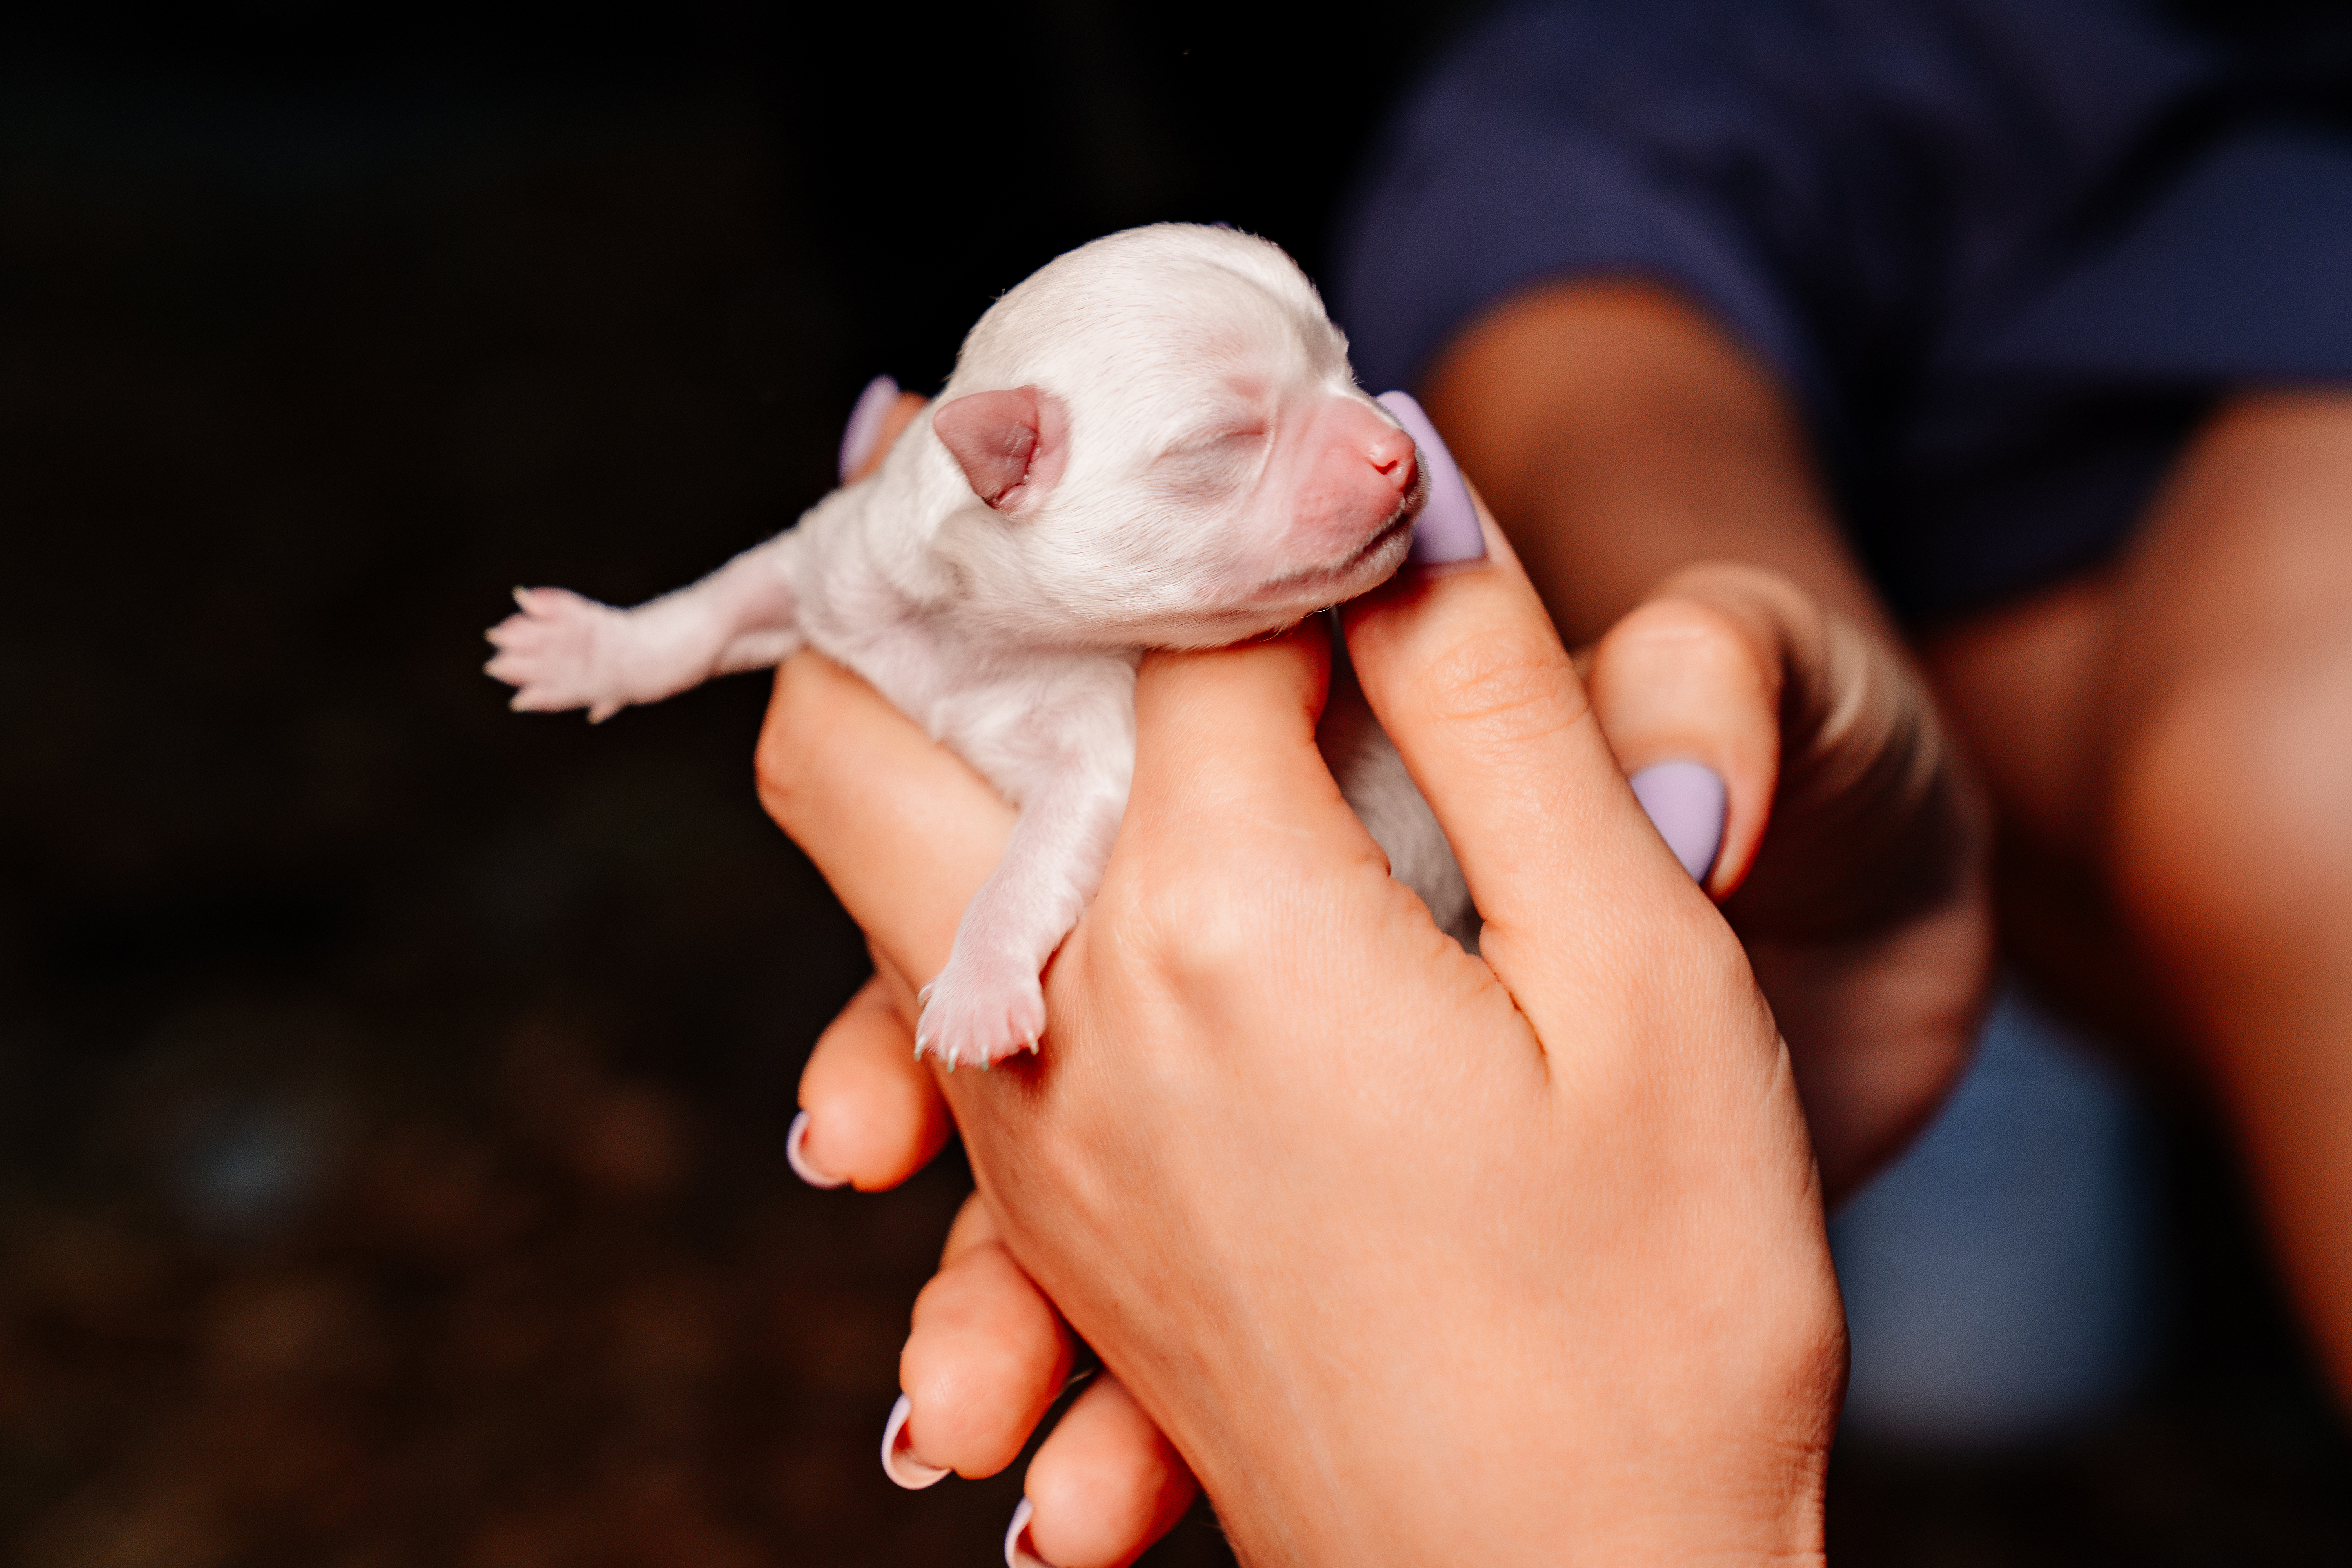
1154 441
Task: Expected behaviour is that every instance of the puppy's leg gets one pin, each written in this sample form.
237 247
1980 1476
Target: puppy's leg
563 651
987 1003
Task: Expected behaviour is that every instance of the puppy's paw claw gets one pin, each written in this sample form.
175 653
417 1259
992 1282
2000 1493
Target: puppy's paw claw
980 1014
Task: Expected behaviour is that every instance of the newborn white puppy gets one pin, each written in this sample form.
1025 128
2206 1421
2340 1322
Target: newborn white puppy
1155 440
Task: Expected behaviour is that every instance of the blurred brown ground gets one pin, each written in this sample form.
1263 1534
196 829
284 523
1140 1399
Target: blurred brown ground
395 1084
392 1088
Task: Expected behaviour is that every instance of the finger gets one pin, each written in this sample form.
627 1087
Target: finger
903 993
1238 855
1584 905
1683 680
975 1226
901 413
881 412
985 1358
870 1115
1103 1485
903 830
1226 768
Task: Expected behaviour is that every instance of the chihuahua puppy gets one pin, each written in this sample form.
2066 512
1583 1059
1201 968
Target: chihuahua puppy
1154 441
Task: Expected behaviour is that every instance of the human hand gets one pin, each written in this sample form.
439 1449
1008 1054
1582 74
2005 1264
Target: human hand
1865 909
1709 668
1853 840
1705 670
1609 1049
1878 954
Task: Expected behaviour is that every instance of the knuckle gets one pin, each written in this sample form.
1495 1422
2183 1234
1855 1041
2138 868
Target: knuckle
1504 685
981 1303
781 771
1178 902
1677 619
1683 635
1193 913
2230 800
1163 927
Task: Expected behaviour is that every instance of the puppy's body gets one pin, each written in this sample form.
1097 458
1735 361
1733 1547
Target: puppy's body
1154 441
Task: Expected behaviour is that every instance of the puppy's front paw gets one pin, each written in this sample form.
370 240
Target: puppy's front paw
981 1011
557 653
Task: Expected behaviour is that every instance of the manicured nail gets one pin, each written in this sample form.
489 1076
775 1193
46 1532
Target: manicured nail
1448 529
864 426
796 1156
1017 1553
1685 801
898 1461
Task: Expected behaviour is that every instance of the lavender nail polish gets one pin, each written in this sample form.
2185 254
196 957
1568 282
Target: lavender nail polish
1448 528
1016 1540
898 1461
864 426
796 1156
1685 801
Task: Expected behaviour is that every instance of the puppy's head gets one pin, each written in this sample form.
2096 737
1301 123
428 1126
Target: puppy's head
1164 445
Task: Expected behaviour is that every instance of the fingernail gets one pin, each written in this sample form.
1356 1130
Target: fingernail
1448 527
796 1156
898 1461
1016 1540
1685 801
864 426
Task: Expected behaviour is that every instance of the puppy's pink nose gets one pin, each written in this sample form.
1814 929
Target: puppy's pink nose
1391 456
1354 471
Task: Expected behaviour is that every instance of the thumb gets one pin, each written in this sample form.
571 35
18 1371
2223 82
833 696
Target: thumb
1687 687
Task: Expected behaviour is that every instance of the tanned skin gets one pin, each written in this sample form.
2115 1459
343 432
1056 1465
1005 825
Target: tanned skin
2166 745
2167 741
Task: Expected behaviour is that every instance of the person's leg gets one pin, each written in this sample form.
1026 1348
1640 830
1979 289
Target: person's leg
2230 829
2029 686
2185 727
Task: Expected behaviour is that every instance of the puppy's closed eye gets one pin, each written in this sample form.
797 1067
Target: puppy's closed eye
1214 463
1197 362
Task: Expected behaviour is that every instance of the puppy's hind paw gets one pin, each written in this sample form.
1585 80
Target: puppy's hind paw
980 1013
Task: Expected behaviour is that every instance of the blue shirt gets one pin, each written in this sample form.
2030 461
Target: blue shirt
2003 253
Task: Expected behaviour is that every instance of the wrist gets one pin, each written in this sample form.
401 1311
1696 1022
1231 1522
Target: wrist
1675 1453
1742 1502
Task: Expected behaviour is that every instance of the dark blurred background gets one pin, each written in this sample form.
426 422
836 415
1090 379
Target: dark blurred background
391 1089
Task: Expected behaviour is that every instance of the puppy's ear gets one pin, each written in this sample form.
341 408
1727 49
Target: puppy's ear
1010 445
